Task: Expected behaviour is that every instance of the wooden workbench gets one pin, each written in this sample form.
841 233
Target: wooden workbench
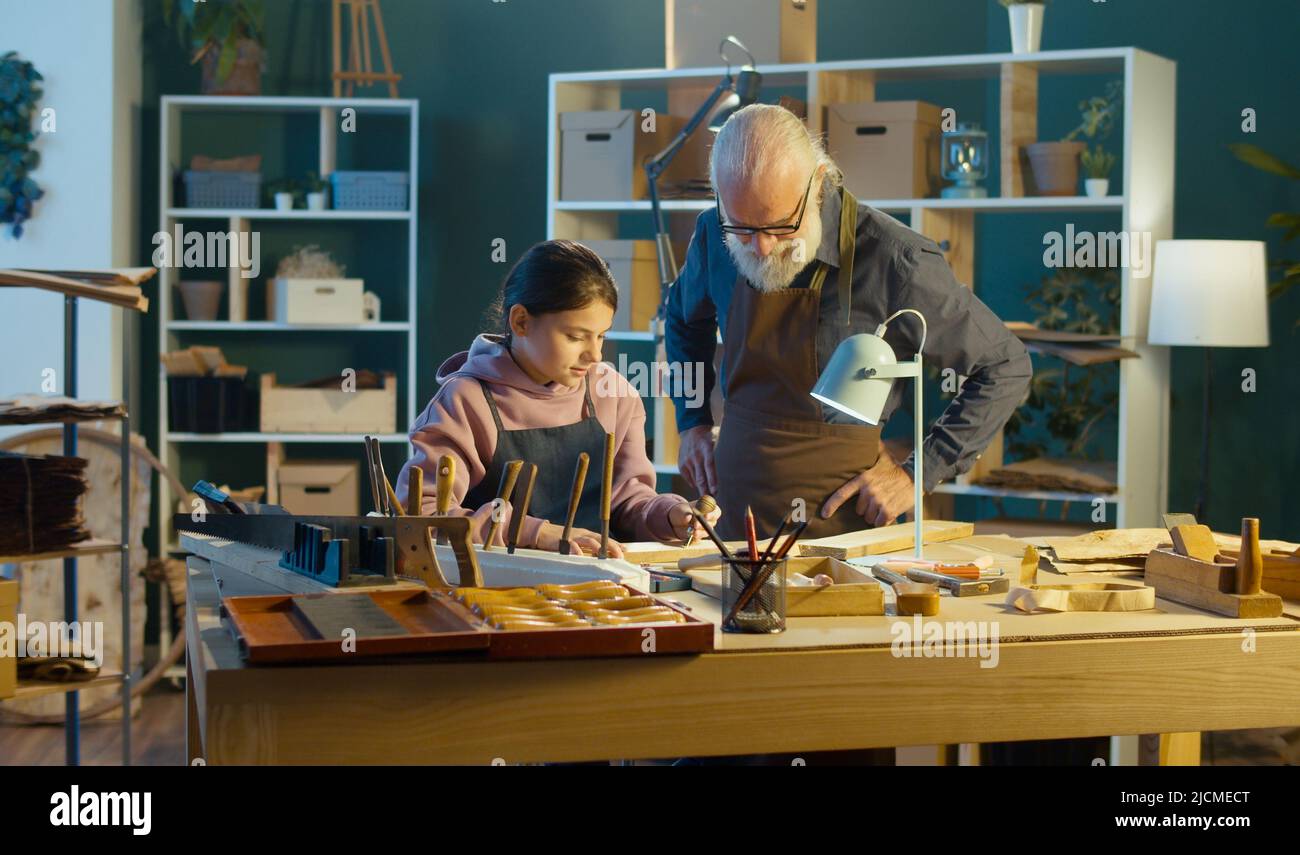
824 684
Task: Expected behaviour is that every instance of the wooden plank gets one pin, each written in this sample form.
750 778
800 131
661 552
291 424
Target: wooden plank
837 87
127 296
1019 126
890 538
91 546
1109 544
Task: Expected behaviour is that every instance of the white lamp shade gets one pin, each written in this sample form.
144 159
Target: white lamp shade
845 385
1209 293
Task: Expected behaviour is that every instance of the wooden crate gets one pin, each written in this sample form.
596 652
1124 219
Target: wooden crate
854 592
292 410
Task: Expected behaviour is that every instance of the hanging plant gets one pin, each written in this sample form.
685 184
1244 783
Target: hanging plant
227 37
20 90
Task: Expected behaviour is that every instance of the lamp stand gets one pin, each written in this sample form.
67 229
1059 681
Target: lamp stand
1203 494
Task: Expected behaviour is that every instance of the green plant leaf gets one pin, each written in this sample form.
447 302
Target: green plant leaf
1260 159
226 62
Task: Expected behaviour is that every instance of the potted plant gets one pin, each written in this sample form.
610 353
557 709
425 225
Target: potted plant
20 90
1289 220
283 193
1026 18
1056 164
315 188
1097 165
227 37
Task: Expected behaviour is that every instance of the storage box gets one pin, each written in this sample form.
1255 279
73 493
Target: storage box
636 270
775 31
221 189
315 301
370 191
9 620
320 488
208 405
333 410
854 592
602 152
887 149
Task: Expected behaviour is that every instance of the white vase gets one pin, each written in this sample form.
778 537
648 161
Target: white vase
284 201
1096 187
1026 27
316 201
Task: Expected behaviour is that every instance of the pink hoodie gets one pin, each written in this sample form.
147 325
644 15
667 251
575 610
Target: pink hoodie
458 422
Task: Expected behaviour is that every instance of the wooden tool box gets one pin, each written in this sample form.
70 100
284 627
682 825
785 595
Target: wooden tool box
412 621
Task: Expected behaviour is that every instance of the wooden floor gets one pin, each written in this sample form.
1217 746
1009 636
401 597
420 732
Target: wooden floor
157 737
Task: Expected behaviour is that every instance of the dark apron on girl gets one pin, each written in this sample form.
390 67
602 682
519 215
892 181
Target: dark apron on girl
555 451
774 446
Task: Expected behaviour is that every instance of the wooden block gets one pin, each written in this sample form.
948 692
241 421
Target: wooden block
1194 541
1180 590
1205 574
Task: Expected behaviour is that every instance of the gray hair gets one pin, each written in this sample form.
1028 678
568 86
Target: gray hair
757 137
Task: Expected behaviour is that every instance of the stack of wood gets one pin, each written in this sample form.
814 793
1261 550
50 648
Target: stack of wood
1075 348
1109 551
200 361
33 409
1041 473
40 503
120 287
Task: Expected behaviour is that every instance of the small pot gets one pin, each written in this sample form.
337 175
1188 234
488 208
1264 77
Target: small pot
1096 187
245 75
316 201
1056 167
284 201
202 299
1026 27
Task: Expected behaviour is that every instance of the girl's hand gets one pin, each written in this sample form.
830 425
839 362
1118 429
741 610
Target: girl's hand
582 541
681 518
483 517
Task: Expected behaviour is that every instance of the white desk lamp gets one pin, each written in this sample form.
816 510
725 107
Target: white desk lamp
857 381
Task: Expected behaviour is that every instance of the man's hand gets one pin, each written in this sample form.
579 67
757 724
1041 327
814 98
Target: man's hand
695 459
885 491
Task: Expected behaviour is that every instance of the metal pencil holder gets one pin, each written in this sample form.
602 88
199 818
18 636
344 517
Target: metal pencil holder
764 611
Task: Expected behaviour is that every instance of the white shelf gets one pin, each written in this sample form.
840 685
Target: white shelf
1025 204
273 214
255 436
275 326
286 104
629 335
1036 495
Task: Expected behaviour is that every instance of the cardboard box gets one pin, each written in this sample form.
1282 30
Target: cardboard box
887 149
775 31
636 270
291 410
9 619
324 488
315 301
602 152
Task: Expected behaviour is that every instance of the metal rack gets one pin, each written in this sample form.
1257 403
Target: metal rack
72 709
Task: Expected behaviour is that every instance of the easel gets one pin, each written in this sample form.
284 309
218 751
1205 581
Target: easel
359 68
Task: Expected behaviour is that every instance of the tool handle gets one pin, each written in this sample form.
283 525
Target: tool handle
951 583
606 494
415 492
394 504
521 507
446 481
507 486
575 494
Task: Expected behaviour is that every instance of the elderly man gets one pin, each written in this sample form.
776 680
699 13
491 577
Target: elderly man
783 228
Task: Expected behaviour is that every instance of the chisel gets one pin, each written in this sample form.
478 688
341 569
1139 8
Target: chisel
961 587
415 492
606 494
575 495
521 508
507 486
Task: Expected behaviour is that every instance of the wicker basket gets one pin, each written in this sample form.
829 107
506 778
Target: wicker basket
222 189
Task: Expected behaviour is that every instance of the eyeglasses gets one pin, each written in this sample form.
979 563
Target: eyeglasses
775 231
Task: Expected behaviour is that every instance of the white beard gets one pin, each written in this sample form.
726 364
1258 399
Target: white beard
780 267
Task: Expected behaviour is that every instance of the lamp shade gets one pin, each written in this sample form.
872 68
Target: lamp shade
845 384
1209 293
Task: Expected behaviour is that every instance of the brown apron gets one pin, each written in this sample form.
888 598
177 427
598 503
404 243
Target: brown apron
775 447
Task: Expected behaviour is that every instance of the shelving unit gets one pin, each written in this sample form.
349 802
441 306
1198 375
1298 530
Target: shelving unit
1144 204
173 332
93 546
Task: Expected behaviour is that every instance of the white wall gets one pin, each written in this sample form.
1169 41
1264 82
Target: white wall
89 54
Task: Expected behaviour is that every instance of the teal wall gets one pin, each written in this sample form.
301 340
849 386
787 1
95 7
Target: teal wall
480 71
